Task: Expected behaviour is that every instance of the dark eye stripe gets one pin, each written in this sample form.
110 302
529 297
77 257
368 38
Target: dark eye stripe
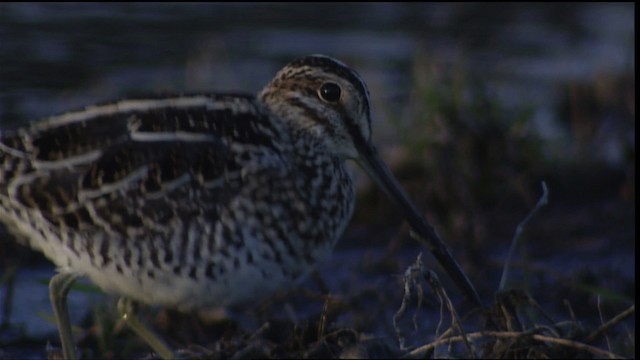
350 124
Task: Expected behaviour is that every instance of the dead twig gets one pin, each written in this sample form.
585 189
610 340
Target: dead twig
412 277
544 199
609 324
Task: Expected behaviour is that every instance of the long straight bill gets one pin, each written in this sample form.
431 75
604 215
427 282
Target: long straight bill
379 172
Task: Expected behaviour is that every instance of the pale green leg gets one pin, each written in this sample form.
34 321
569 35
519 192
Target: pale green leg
126 308
58 289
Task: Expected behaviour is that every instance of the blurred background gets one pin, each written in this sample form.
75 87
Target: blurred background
473 104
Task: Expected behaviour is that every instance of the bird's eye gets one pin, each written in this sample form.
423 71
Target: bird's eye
329 92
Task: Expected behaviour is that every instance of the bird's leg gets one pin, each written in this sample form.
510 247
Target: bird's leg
58 289
127 310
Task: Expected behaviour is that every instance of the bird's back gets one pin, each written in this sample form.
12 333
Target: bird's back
114 163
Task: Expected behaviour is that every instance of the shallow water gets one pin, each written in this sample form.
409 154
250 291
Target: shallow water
54 57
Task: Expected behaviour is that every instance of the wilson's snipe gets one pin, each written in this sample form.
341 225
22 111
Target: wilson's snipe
201 200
